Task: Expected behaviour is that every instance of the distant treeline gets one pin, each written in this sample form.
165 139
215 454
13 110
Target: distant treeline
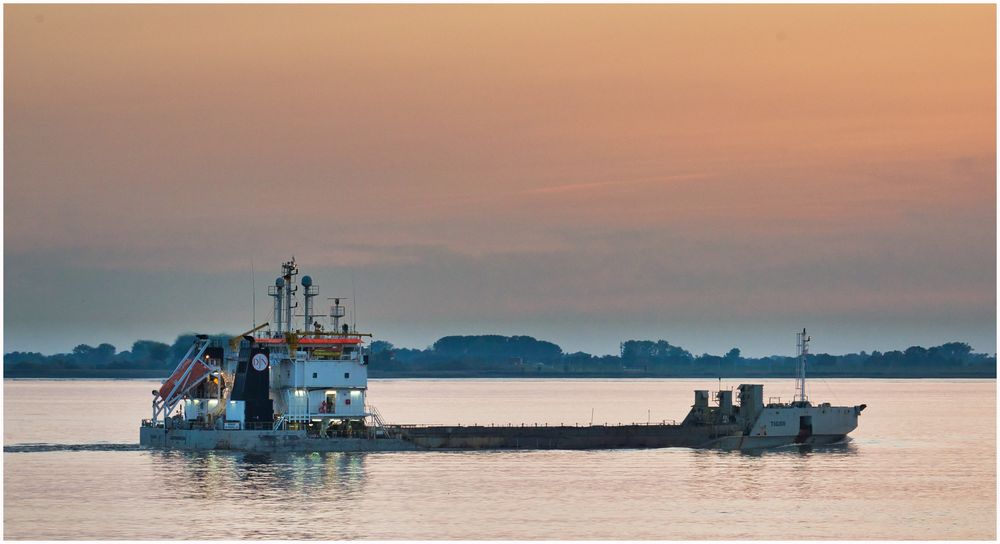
146 358
495 355
506 355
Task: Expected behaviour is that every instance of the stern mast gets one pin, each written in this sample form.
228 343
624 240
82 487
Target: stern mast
800 385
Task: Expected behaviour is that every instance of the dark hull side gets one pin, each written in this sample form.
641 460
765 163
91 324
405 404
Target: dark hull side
431 438
570 438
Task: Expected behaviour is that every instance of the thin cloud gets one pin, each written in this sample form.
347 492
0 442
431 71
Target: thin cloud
591 185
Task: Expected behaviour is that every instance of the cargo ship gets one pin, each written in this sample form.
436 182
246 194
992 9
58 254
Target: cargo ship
280 388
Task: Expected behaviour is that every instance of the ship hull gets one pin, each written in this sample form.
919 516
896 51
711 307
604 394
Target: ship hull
565 437
768 442
774 426
433 438
262 441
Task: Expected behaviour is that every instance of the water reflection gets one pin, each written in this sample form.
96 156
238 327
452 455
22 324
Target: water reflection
252 458
224 474
841 448
752 473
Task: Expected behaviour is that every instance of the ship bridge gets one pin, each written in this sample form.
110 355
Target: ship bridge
275 376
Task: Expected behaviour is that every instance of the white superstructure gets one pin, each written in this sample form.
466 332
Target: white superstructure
276 376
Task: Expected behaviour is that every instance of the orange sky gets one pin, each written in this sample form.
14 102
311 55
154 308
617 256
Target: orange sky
580 173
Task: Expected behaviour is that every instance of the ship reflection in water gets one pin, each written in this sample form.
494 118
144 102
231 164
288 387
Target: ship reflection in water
337 476
842 449
214 474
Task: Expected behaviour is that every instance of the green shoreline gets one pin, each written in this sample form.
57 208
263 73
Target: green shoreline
513 357
160 374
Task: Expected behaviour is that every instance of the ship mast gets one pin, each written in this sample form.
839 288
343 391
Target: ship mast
288 273
802 340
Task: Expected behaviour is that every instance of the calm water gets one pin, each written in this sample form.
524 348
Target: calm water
922 465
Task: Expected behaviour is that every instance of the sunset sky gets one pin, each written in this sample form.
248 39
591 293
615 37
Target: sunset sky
716 176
